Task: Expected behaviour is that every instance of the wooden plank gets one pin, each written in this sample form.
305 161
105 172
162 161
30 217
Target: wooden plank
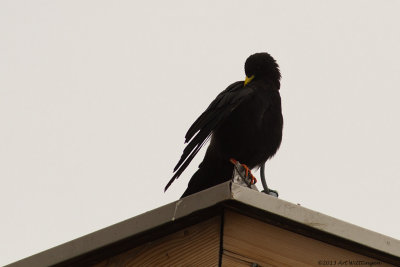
197 245
230 259
249 240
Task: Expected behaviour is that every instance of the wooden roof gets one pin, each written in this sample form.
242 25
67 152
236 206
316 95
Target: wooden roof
172 217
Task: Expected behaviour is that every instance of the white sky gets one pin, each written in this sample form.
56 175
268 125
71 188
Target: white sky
96 96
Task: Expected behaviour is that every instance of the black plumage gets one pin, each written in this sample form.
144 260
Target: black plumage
244 122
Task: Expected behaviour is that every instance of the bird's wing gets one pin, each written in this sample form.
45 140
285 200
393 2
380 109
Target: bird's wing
201 130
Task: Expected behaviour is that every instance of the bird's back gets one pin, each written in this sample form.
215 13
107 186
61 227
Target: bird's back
252 133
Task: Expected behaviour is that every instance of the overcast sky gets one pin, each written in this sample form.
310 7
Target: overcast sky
96 96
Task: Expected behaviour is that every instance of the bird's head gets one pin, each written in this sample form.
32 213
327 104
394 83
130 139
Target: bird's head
261 66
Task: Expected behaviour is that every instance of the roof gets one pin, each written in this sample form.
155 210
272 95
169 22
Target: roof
176 215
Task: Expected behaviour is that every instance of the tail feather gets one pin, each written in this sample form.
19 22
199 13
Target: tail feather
208 176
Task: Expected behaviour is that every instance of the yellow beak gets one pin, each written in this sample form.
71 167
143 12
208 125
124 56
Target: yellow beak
247 80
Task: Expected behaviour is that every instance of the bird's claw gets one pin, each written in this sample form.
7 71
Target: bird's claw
247 171
271 192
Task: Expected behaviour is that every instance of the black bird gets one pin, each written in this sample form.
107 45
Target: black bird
244 122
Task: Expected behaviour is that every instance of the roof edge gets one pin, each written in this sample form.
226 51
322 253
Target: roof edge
208 199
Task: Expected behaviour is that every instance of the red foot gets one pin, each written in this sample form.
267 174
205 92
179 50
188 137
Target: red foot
247 169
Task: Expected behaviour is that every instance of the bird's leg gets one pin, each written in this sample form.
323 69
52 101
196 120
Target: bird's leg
264 183
247 171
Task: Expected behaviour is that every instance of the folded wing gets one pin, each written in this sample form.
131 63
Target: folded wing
200 131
